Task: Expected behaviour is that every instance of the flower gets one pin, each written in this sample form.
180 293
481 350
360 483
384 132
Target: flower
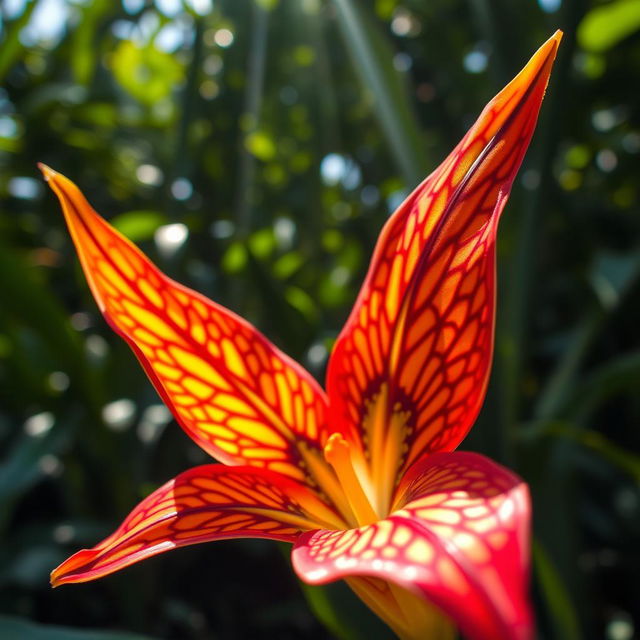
362 479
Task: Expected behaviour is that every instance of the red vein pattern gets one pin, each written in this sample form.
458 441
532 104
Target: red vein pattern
405 382
482 512
206 503
454 541
418 343
233 392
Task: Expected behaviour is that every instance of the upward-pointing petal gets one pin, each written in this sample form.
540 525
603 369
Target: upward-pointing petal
412 361
238 396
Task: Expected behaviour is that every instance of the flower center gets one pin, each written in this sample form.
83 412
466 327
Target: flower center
337 452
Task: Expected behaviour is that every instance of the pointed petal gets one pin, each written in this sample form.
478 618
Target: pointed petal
232 391
211 502
416 351
460 540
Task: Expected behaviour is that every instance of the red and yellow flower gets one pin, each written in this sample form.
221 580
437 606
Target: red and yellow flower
363 478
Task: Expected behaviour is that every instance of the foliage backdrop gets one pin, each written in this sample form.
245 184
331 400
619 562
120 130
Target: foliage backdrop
254 148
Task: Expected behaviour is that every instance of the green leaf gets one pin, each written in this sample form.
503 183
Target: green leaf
20 468
261 145
148 74
287 265
556 596
262 243
625 461
235 258
139 225
11 627
608 24
12 47
30 568
85 53
301 301
29 303
615 376
269 5
612 278
343 614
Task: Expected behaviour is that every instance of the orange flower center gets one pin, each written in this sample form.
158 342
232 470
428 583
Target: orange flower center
365 473
337 452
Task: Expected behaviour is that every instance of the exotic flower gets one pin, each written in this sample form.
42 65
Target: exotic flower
361 479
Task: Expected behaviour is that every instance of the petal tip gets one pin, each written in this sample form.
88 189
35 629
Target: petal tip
555 39
546 54
47 172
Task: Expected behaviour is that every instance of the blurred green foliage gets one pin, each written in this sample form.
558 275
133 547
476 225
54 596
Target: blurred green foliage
254 149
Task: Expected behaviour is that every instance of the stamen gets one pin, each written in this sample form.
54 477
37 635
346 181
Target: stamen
337 453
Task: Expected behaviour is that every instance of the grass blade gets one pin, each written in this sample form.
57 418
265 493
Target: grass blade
373 58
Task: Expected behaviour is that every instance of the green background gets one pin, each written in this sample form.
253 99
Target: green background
254 150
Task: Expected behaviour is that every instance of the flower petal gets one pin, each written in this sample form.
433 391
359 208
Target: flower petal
233 392
416 351
482 511
210 502
460 541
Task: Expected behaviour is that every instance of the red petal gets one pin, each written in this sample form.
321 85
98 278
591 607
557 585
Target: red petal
233 392
460 541
419 340
210 502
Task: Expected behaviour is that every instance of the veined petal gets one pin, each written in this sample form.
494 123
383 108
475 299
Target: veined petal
460 541
411 365
210 502
233 392
481 512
